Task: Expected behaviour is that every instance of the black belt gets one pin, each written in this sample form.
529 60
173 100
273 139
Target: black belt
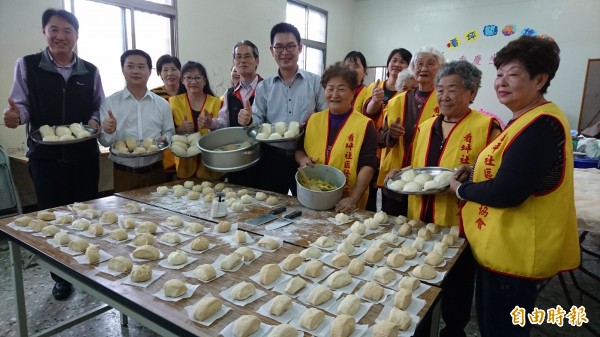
138 170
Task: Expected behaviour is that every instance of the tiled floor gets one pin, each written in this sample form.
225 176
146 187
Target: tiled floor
44 311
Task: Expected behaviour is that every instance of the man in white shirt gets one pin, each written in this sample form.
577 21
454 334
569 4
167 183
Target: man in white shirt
138 113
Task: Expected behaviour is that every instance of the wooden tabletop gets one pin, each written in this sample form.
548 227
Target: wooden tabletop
142 298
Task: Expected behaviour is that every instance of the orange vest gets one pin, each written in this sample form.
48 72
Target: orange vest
462 146
394 157
346 147
538 238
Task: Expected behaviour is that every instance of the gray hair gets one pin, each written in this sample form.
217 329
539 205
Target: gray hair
402 76
426 50
470 75
246 43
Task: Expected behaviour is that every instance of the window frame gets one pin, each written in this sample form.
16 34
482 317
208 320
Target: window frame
322 46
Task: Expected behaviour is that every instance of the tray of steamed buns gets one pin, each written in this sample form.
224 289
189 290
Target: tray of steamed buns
131 147
420 181
64 134
276 133
185 145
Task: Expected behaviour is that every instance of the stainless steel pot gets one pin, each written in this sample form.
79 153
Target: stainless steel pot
228 161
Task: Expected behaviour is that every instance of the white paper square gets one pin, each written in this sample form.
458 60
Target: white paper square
234 227
263 329
156 274
326 271
188 248
363 309
386 292
279 240
165 263
226 294
283 278
321 330
104 256
191 274
190 291
135 259
209 321
217 264
304 298
230 241
280 288
295 310
103 268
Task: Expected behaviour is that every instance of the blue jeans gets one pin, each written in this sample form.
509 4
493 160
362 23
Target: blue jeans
496 295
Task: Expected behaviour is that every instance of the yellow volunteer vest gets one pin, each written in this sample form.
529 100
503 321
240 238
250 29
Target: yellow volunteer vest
394 157
345 149
538 238
462 146
188 167
360 99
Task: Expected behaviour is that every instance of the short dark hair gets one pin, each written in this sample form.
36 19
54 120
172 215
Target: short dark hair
340 70
356 57
189 65
469 74
284 27
246 43
139 52
539 55
404 54
67 16
167 59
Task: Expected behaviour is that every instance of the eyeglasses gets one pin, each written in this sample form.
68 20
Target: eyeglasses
196 79
246 57
289 48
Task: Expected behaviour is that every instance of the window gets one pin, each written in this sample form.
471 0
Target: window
120 25
312 24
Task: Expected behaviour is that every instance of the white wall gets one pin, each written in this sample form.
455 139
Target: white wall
574 24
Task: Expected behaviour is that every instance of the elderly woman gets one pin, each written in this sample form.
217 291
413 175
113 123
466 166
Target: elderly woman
402 116
519 215
452 139
329 132
197 99
356 61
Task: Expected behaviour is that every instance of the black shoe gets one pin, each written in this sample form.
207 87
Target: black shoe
61 290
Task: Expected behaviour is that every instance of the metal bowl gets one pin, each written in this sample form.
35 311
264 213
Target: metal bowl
321 200
228 161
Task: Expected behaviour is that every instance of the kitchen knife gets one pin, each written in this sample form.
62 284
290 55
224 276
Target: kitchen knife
263 219
286 220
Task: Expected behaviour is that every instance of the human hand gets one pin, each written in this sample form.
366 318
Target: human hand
377 93
205 120
392 173
94 124
308 161
12 115
396 129
187 126
462 173
245 114
346 205
110 123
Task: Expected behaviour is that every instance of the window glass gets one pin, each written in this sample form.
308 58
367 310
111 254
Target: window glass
312 24
317 27
153 35
316 56
296 15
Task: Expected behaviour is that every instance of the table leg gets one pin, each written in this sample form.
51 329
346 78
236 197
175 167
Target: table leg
435 318
124 319
17 276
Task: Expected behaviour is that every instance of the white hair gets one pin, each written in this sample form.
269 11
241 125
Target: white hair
402 76
426 50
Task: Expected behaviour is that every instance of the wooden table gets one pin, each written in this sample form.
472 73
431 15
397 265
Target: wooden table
166 318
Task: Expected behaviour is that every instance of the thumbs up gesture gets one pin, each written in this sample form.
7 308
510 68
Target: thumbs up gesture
377 94
396 129
205 120
186 126
109 125
12 115
245 115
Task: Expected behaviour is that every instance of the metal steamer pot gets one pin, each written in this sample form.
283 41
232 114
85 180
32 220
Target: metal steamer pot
228 161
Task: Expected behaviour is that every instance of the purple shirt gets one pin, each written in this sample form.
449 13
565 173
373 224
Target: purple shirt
20 93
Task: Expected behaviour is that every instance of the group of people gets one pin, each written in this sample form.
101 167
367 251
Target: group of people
512 193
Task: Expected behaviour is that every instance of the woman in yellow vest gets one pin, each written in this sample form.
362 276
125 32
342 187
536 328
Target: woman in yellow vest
340 138
403 114
356 61
519 215
168 69
187 107
452 139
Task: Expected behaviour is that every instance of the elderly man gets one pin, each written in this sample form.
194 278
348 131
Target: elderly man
141 114
56 87
291 95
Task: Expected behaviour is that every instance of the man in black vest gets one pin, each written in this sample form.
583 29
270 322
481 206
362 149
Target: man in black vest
245 60
56 87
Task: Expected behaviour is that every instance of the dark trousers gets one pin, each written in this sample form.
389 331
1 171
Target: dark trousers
277 170
372 199
394 204
496 295
457 297
61 183
249 177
